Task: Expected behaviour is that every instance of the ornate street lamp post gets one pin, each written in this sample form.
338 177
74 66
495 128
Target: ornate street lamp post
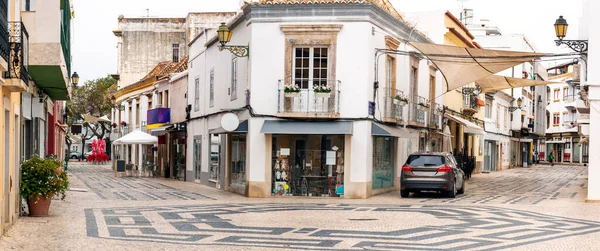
224 38
514 108
560 27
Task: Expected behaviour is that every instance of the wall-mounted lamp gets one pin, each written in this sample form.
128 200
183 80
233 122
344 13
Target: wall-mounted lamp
224 38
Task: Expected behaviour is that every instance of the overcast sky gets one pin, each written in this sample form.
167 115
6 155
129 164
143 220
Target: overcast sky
94 46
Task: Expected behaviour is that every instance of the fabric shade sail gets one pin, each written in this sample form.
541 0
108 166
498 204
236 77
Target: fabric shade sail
461 66
89 118
496 83
468 126
136 137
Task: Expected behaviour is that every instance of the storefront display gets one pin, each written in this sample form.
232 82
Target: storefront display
307 165
383 162
237 170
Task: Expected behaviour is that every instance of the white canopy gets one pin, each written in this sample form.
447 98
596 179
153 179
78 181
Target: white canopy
496 83
136 137
461 66
89 118
469 127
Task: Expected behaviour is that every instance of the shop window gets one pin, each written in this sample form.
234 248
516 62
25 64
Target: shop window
307 165
215 152
197 156
383 162
237 169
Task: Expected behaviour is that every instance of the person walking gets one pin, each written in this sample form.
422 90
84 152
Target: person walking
551 158
535 157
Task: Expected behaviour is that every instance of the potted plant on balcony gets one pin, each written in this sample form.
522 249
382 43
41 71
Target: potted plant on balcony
123 123
291 91
114 125
322 91
41 180
424 105
439 109
400 100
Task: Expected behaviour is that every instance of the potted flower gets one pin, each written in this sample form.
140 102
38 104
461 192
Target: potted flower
322 91
400 100
41 180
123 123
291 91
440 109
114 125
424 105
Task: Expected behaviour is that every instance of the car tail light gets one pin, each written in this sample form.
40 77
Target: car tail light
406 168
444 169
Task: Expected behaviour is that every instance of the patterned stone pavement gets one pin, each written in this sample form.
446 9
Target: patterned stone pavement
540 208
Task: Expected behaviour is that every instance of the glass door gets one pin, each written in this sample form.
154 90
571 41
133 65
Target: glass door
197 158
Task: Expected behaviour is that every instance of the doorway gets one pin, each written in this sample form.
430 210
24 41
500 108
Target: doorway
490 153
6 188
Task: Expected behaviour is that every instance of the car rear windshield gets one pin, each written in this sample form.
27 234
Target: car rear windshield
425 160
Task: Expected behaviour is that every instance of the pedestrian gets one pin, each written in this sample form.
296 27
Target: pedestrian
535 157
551 158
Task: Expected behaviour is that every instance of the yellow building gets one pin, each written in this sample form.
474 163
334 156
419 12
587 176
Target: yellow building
464 105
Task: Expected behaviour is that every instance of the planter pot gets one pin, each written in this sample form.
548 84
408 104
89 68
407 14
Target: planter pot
322 95
396 102
40 208
291 94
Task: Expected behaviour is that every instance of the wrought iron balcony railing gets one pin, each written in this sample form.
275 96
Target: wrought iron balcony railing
420 108
309 98
19 52
394 104
4 36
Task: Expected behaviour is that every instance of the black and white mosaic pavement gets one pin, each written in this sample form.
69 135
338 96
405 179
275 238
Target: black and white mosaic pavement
386 227
104 184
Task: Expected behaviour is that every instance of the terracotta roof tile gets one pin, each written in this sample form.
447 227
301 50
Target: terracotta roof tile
384 4
165 68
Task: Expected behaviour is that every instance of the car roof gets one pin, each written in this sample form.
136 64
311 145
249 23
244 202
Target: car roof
431 153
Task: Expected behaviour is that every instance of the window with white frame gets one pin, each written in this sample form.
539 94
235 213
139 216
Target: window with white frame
28 5
212 87
197 94
310 66
488 108
234 73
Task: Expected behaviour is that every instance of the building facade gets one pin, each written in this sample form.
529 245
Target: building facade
316 121
562 135
36 61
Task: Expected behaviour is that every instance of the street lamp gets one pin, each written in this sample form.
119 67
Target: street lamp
224 38
117 107
75 79
514 108
560 27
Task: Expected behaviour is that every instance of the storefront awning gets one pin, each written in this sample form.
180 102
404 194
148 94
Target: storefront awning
299 127
89 118
390 131
461 66
160 131
469 127
496 83
242 128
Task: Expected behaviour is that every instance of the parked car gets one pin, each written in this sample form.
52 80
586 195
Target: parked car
432 172
74 155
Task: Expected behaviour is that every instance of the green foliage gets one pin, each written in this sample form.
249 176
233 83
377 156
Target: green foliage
92 98
44 177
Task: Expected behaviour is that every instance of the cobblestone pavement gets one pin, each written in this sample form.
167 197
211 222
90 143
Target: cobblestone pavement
540 208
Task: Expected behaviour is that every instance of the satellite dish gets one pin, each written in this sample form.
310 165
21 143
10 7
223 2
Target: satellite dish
230 122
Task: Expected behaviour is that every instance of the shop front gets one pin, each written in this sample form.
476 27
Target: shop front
307 158
177 138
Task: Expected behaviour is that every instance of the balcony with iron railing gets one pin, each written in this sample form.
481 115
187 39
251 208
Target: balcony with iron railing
437 113
309 99
4 35
17 73
394 104
420 109
470 104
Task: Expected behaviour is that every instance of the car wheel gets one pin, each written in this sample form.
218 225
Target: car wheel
404 193
462 188
452 193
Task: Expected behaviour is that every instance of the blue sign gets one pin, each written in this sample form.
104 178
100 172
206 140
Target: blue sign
371 108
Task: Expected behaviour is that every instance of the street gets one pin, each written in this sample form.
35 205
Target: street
539 208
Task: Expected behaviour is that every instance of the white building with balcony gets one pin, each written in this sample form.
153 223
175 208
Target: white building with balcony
315 117
562 135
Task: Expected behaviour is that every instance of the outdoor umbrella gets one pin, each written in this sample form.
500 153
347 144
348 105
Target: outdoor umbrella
136 137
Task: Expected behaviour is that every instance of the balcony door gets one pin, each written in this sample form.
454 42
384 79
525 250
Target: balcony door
310 71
